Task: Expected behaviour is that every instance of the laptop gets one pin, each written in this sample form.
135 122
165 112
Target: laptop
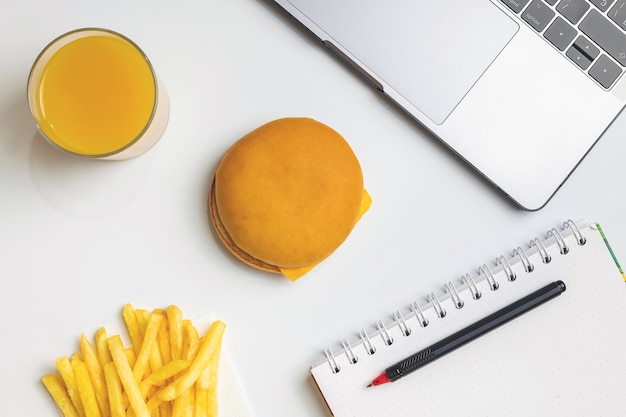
519 89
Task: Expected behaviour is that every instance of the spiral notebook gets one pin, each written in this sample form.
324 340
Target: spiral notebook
563 358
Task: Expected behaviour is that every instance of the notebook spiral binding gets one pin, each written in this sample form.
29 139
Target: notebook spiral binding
453 292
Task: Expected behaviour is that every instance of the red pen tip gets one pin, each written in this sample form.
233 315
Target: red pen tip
380 379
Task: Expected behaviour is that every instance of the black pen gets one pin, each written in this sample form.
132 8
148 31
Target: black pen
469 333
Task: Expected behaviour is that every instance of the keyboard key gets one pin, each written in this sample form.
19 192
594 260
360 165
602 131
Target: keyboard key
605 71
573 10
618 13
538 15
603 5
515 5
578 57
560 33
586 47
552 2
605 34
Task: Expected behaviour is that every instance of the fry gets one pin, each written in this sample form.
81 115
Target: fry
207 348
155 357
155 402
208 377
200 403
212 401
156 361
165 409
132 326
85 388
175 319
67 373
125 373
163 340
104 356
96 375
159 377
166 371
206 385
183 405
130 356
145 351
142 320
114 390
191 341
56 388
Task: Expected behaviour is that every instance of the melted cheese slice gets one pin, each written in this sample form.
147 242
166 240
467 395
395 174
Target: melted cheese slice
295 273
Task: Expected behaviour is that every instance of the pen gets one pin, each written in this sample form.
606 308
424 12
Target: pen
469 333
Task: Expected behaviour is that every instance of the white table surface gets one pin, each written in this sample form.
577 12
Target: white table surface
79 239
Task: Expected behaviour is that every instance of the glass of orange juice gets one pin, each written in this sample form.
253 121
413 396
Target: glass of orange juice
93 93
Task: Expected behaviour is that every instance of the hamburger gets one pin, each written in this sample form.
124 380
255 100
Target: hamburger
287 195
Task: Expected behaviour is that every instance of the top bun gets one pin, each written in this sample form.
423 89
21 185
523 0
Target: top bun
286 195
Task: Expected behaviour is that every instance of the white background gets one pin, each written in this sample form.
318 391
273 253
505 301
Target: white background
79 239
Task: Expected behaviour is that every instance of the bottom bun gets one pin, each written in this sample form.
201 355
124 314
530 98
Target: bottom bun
228 241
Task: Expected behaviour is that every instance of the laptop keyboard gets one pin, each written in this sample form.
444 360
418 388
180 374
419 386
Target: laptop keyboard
591 33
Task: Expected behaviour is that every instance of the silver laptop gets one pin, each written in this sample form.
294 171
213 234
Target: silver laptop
519 89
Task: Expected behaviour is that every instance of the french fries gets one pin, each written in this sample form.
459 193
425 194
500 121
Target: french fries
168 370
205 354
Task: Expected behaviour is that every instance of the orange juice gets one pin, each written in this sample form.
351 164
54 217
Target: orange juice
95 95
